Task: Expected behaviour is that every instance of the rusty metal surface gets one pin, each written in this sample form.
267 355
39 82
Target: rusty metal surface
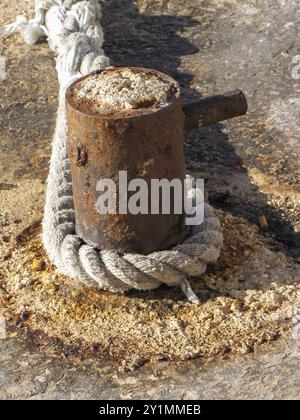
215 108
147 146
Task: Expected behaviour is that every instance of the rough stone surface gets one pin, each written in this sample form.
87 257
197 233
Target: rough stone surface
30 374
251 169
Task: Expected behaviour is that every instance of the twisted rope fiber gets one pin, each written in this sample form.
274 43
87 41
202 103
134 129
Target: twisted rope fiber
74 33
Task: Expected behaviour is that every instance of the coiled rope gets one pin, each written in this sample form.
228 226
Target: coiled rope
74 33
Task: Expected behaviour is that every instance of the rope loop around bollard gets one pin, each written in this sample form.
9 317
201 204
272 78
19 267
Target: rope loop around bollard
75 35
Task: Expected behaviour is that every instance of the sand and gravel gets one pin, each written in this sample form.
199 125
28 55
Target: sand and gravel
125 89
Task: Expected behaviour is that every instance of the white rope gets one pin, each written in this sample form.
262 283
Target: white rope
74 33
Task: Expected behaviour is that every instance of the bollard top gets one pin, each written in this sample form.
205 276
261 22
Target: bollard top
122 92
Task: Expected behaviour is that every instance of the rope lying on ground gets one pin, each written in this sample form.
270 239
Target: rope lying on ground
74 33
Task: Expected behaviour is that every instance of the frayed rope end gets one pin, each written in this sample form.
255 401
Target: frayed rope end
189 293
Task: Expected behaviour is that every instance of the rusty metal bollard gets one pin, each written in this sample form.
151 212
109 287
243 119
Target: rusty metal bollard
147 144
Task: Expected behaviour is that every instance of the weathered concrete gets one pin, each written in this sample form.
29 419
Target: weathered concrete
26 373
